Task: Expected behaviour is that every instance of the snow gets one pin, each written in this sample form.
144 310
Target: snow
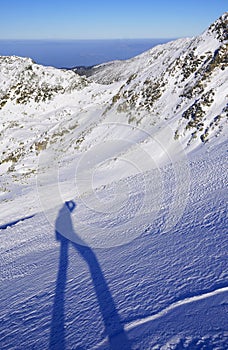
158 285
113 234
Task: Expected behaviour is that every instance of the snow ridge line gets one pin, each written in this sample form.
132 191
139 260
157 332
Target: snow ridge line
10 224
139 322
173 306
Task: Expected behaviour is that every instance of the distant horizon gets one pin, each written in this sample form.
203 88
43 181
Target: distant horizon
77 52
69 33
103 39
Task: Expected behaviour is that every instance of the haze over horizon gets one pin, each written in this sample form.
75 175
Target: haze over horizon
72 53
106 20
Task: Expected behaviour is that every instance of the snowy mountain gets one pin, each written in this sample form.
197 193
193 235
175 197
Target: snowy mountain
182 84
113 200
185 78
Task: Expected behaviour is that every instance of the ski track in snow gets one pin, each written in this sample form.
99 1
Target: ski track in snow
10 224
174 306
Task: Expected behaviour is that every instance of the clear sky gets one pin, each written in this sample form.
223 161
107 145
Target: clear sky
106 19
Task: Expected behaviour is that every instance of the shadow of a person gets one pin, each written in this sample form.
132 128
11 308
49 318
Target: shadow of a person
113 328
57 334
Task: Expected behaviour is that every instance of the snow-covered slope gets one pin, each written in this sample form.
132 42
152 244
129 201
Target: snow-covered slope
113 201
186 78
160 291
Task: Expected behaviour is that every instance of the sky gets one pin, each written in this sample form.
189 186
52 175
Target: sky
106 19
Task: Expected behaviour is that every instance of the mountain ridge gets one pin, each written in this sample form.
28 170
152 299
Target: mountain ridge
181 85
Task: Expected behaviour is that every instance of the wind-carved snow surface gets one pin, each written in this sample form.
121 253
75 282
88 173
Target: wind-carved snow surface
113 201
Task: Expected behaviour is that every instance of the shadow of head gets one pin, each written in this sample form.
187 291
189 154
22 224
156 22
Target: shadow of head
71 205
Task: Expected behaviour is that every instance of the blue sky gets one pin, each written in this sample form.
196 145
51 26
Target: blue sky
106 19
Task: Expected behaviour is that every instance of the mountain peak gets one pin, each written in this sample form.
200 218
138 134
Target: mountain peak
220 28
24 81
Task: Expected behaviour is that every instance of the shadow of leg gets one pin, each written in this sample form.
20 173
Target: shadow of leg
57 335
113 327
